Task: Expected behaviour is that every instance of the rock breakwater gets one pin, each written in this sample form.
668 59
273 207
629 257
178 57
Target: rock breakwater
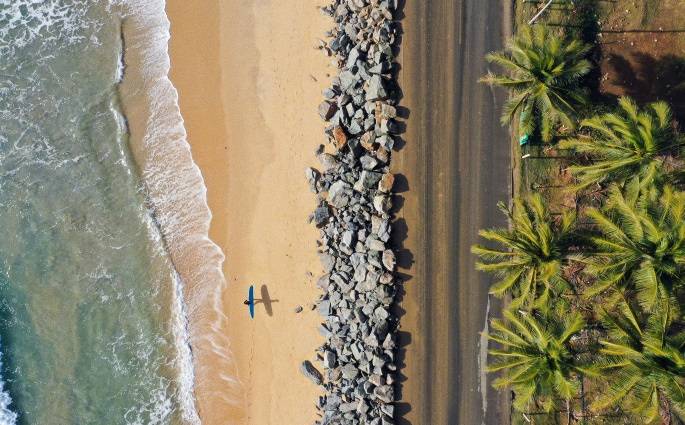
354 191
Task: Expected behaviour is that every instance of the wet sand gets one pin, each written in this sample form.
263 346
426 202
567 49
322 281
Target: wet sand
248 92
457 165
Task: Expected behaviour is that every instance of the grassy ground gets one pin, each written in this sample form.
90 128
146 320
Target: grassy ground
640 52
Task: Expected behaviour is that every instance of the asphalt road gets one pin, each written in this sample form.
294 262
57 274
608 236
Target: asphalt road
456 160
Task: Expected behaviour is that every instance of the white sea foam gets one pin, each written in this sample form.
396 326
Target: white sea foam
24 21
185 356
7 416
178 198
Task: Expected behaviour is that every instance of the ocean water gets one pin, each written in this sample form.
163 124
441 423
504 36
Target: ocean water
93 311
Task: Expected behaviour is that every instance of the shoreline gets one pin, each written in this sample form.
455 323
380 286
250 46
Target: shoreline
158 144
249 101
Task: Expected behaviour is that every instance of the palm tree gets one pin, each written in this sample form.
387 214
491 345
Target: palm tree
533 249
536 358
544 78
644 365
640 243
624 144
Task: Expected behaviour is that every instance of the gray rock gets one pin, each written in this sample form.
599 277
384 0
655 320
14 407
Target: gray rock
329 359
389 259
349 109
323 282
321 215
380 313
347 81
370 283
375 245
325 308
376 380
382 203
329 94
368 162
338 194
328 161
312 176
386 183
386 141
348 407
384 393
367 180
356 351
388 409
327 261
360 273
362 407
355 128
327 110
389 126
349 238
387 111
386 279
350 371
353 55
324 331
298 309
379 68
389 342
311 372
375 89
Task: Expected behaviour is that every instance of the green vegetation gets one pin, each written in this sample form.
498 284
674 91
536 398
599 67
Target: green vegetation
529 264
645 365
544 79
625 143
536 358
640 243
593 331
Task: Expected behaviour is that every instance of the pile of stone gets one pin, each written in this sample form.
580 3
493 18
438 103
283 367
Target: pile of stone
354 189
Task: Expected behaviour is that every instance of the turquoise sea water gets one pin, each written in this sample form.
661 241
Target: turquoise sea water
89 299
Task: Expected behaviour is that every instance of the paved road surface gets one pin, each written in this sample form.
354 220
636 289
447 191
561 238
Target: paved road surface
457 163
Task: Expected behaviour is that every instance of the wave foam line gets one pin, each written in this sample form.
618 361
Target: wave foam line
178 197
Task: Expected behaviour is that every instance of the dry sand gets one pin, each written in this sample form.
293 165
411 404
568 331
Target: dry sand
249 90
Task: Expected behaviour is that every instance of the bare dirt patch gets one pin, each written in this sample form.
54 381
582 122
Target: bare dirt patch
642 51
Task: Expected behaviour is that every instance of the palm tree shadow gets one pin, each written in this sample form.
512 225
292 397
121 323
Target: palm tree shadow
648 79
266 300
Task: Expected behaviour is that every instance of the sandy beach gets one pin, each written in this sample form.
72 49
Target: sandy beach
248 92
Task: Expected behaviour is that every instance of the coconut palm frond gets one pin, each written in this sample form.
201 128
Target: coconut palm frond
624 144
529 259
640 244
544 75
535 357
